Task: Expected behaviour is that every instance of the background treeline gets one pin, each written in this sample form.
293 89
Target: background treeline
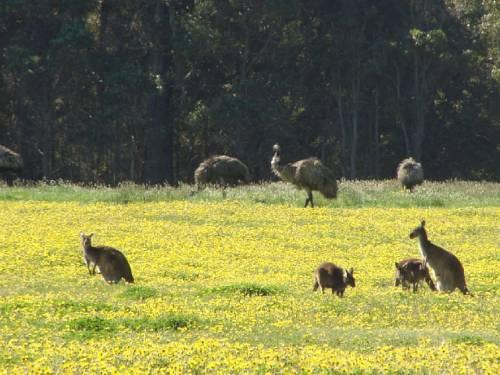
113 90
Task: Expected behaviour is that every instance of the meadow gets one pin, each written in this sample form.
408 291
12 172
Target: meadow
224 284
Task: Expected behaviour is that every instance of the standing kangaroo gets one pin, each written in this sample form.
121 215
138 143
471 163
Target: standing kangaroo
447 268
328 275
111 262
412 271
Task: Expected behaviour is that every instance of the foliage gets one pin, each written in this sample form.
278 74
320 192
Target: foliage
107 91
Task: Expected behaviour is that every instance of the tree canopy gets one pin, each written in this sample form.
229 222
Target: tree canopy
114 90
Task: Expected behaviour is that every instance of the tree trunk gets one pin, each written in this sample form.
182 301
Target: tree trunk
343 133
376 132
399 115
418 132
48 136
354 127
158 139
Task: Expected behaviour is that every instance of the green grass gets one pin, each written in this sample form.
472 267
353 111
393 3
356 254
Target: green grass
139 293
96 326
368 193
246 289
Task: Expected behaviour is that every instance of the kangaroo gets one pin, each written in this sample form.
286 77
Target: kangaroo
412 271
328 275
111 262
448 270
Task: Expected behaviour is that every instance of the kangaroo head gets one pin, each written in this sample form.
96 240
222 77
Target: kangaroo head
349 278
403 273
400 274
418 231
86 240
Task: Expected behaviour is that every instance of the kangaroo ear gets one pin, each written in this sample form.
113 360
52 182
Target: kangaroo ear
91 234
397 265
351 270
422 224
82 234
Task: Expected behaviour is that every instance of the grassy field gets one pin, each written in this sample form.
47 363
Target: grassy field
386 193
225 285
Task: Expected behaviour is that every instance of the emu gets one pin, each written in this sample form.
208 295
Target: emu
410 173
448 270
328 275
111 262
221 170
308 174
10 161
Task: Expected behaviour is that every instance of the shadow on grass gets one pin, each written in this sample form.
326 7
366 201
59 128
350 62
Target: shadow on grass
96 326
246 289
139 293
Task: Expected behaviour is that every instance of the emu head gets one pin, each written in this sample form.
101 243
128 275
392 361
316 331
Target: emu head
409 164
86 240
276 150
349 278
418 231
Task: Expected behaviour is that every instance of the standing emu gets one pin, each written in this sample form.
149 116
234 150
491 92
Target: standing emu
221 170
10 161
410 173
308 174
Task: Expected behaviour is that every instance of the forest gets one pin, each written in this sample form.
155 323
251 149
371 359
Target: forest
105 91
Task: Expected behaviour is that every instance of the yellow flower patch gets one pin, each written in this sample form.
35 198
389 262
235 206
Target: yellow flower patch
227 287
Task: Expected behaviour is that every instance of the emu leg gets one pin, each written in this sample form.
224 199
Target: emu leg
309 199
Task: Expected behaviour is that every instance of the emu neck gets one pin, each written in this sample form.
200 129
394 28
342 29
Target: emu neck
284 171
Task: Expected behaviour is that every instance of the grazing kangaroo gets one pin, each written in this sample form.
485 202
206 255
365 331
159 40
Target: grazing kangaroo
412 271
111 262
328 275
448 270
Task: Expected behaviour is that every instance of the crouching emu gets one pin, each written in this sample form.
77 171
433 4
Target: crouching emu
448 271
410 173
111 262
221 170
328 275
412 271
10 161
308 174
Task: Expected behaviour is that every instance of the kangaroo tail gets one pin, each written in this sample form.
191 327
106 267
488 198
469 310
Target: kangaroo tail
128 276
466 291
315 286
127 272
129 279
